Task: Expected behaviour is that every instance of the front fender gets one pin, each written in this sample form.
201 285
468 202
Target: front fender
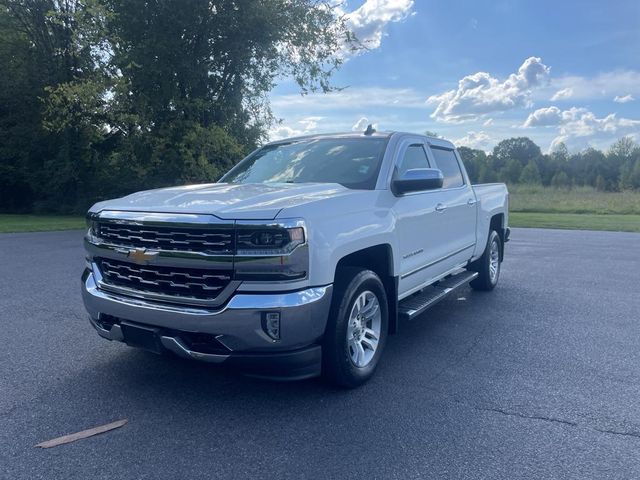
337 228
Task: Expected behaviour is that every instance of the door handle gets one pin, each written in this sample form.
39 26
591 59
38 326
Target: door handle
441 207
471 201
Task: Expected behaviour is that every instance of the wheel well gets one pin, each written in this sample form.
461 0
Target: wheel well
497 224
378 259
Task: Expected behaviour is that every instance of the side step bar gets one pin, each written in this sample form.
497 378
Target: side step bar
412 306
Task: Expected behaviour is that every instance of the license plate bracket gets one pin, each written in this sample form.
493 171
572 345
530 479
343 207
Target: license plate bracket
141 336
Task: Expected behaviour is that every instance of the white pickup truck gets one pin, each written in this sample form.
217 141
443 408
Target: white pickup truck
301 260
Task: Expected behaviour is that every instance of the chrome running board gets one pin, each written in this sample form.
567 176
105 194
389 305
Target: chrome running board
416 304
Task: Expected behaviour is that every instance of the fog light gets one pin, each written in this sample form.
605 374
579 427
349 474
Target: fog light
271 324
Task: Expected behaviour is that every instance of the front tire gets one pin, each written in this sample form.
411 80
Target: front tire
488 265
357 330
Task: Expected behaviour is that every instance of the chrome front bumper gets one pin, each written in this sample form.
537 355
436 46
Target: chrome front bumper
237 325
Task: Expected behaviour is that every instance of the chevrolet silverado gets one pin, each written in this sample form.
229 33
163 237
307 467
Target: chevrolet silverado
301 260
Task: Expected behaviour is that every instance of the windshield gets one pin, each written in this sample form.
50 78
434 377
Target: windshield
352 162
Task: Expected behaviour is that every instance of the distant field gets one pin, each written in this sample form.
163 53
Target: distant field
39 223
576 221
576 200
578 208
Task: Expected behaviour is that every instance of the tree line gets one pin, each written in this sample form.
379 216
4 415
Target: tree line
520 161
99 98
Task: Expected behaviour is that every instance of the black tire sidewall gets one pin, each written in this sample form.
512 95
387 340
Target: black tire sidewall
493 237
338 364
483 281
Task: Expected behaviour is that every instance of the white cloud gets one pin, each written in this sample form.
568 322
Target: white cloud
602 86
579 127
480 140
488 122
310 123
544 117
304 126
481 93
368 22
283 131
625 99
562 94
361 125
580 122
349 99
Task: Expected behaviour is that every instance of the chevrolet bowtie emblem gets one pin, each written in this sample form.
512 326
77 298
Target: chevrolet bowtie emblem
142 256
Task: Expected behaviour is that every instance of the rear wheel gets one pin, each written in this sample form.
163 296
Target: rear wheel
488 265
357 328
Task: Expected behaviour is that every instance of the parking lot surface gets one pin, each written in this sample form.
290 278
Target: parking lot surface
538 379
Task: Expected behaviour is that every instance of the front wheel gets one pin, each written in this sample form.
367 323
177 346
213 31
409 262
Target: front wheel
488 265
357 328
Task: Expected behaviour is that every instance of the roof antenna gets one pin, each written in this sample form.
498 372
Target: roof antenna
370 130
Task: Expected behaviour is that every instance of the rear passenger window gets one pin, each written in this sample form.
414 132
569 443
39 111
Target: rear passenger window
414 157
447 162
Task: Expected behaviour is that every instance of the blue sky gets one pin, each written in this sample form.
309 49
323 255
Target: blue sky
477 72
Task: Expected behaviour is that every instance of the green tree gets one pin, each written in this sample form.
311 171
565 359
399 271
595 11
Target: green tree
560 180
214 62
102 97
623 148
630 176
188 65
475 162
635 175
621 157
21 83
511 171
520 148
530 174
58 40
560 153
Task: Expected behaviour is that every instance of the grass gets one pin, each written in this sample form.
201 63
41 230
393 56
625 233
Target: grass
530 206
582 208
39 223
576 221
577 200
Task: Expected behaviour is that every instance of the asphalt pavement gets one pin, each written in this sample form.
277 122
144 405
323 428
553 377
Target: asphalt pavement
537 379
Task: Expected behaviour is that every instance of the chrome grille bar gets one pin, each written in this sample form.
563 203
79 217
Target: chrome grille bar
211 240
179 283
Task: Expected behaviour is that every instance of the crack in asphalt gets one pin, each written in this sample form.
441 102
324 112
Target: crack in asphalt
529 417
467 353
458 360
8 411
542 418
501 411
615 432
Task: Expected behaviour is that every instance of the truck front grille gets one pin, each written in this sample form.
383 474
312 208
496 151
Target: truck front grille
218 240
181 283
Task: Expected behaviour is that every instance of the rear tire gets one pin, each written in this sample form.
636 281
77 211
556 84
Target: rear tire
488 265
357 329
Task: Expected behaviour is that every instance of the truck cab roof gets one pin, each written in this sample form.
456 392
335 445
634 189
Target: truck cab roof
435 141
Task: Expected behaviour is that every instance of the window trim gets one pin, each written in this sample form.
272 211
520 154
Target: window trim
405 149
403 143
462 171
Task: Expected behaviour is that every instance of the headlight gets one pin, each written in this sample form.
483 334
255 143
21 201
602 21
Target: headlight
268 239
92 224
271 252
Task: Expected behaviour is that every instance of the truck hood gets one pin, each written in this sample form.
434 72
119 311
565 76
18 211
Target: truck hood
252 201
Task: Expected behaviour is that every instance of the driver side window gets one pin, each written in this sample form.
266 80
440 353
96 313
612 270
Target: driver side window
414 157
